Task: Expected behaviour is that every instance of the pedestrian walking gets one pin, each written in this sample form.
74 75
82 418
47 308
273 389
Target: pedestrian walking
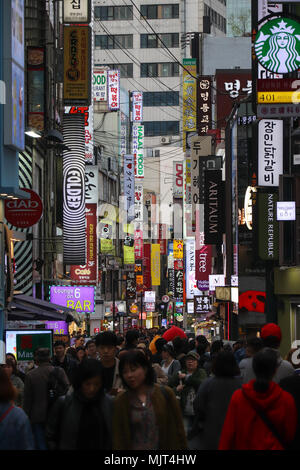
15 429
91 350
291 385
106 343
157 356
160 376
253 346
146 415
18 372
185 385
212 400
82 419
80 354
63 360
10 369
36 397
271 338
169 364
260 416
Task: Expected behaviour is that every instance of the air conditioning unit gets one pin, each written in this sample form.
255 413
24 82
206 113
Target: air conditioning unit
165 140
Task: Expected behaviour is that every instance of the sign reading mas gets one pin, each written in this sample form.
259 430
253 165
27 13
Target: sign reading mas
80 298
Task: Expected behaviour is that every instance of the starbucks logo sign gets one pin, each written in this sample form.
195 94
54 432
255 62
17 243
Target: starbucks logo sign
277 45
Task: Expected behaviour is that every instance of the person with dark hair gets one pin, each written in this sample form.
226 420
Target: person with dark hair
82 419
91 350
63 360
169 364
15 429
253 346
260 416
160 377
120 342
36 400
106 343
80 354
239 350
11 370
271 338
155 421
212 400
291 385
185 384
157 357
131 339
18 372
181 349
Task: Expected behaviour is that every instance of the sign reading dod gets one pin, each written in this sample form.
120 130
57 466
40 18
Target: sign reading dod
81 298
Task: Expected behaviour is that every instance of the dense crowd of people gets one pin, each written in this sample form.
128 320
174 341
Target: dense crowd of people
142 392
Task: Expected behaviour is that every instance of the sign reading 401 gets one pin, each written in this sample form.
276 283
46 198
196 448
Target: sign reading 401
277 45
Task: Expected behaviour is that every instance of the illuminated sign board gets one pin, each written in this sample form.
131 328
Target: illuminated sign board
114 90
286 210
76 11
100 85
270 152
137 106
79 298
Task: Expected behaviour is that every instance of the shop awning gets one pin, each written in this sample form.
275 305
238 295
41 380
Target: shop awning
24 307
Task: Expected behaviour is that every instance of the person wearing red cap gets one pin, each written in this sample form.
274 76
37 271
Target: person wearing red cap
271 337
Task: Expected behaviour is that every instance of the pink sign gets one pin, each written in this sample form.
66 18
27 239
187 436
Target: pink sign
203 266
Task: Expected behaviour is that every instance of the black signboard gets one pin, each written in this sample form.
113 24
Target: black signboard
178 294
130 285
171 281
201 304
214 220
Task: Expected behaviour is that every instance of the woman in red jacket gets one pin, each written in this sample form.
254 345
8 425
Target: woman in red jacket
260 416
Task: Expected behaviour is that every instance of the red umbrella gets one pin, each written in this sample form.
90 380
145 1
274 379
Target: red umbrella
174 331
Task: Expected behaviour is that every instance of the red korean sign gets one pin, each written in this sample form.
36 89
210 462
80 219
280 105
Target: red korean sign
162 233
232 85
87 274
147 266
137 106
138 244
24 213
114 90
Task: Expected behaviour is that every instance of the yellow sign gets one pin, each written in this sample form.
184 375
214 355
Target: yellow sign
77 65
178 249
155 264
189 95
278 97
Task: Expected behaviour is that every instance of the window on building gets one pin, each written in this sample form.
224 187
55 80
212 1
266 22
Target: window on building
161 128
114 13
164 69
126 70
161 98
153 40
154 12
119 41
217 20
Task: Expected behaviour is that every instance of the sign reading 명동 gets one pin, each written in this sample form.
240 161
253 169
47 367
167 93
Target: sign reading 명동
80 298
277 45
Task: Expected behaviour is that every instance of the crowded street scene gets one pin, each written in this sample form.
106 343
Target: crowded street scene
149 230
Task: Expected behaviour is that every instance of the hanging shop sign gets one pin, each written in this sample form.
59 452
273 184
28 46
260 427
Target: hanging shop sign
190 269
178 280
79 298
204 106
189 75
149 296
155 264
137 106
171 282
277 45
100 85
58 327
200 147
138 150
268 226
138 244
212 162
105 233
203 267
36 88
162 235
128 246
76 11
214 218
286 210
130 285
77 65
178 179
282 90
74 243
270 152
114 90
91 184
178 249
129 186
87 111
24 213
201 304
138 203
147 266
216 280
279 111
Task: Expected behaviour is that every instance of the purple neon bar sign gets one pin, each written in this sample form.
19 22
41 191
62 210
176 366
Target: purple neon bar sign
79 298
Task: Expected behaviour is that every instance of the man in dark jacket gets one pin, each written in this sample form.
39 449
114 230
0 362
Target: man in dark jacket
36 395
61 359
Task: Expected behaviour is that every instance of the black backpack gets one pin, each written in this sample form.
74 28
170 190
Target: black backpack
56 386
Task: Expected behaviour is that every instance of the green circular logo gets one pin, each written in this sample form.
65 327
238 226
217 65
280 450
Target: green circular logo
277 45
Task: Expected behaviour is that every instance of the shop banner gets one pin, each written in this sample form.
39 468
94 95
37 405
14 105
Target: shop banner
137 106
179 288
114 90
155 264
105 233
178 179
138 244
91 184
147 266
178 249
162 234
77 11
268 226
138 203
74 221
128 247
36 88
201 304
270 152
203 267
138 269
138 150
80 298
130 285
171 282
214 217
88 112
190 269
129 187
189 75
200 147
204 105
100 85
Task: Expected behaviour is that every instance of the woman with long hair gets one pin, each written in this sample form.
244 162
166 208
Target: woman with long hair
146 415
11 370
260 416
81 420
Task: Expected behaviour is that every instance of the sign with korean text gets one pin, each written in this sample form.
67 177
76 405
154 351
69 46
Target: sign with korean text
178 179
270 152
80 298
171 282
162 235
286 210
232 85
128 247
87 111
201 304
137 106
138 150
114 89
129 186
278 110
178 279
138 203
76 11
155 264
147 265
100 85
200 147
282 90
77 65
204 105
138 244
189 95
190 269
130 285
178 249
